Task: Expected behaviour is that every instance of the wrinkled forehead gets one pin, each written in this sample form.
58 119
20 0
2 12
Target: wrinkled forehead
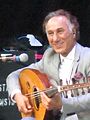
57 21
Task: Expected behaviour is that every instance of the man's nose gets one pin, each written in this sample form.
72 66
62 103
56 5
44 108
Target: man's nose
55 37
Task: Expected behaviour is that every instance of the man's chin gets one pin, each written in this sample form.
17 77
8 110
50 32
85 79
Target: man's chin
58 51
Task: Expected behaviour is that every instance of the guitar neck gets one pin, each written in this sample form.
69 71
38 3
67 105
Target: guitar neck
51 91
73 87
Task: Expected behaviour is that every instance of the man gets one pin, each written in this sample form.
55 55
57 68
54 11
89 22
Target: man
65 62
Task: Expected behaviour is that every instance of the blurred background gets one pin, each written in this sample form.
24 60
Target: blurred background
18 17
21 23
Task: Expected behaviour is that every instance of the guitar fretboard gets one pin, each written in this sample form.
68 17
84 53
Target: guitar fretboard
80 88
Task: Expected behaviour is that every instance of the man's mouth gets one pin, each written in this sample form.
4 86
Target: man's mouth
59 44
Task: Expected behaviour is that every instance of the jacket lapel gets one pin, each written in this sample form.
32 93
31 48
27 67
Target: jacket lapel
56 65
76 60
57 61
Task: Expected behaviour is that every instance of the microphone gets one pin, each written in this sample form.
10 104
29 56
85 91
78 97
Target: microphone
21 58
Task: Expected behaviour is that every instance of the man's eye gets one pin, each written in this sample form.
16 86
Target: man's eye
50 33
60 31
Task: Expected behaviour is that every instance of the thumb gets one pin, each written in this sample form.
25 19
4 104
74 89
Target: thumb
28 104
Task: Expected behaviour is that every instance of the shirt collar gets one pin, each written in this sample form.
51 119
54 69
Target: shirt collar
70 56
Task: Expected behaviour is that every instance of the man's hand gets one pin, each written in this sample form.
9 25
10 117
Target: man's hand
51 103
23 103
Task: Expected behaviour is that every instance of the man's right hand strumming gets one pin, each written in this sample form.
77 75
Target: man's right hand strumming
23 104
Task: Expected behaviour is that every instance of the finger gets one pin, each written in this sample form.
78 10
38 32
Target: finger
24 109
46 102
44 97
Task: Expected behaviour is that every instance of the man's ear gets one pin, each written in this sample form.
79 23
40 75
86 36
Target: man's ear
74 31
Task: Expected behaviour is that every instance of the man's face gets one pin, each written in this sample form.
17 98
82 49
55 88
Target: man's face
60 34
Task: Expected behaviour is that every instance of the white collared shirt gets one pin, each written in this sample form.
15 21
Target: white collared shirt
65 71
66 66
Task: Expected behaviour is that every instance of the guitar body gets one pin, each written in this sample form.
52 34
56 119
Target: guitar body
32 81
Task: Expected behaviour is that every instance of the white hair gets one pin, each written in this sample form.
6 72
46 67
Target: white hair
70 25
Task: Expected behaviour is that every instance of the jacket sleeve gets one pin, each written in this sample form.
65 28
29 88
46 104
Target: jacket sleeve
12 80
76 104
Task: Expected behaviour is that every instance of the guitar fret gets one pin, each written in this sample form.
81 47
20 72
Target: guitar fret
75 86
80 88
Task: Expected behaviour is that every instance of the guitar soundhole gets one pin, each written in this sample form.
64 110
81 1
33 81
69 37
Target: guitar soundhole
36 98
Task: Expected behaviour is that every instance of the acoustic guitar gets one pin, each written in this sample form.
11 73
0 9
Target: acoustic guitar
32 83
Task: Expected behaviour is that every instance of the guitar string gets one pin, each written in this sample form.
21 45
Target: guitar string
65 88
37 93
